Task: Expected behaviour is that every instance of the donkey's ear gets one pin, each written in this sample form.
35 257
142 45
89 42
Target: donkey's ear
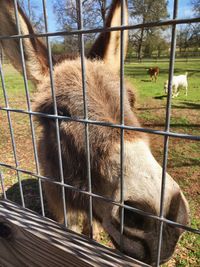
35 52
107 45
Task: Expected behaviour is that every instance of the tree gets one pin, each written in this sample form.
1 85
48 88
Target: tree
94 12
183 36
1 55
162 46
31 10
195 38
103 8
147 11
196 6
67 14
189 36
154 43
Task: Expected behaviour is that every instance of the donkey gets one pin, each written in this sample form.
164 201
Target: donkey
142 173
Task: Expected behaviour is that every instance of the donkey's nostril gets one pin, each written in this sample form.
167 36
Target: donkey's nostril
133 219
179 209
136 220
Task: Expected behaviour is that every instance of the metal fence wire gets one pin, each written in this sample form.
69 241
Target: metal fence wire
86 121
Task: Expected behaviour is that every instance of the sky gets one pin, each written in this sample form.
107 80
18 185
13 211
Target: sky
184 11
51 16
184 8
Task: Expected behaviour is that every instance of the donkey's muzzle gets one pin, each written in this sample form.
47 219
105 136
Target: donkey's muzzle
144 230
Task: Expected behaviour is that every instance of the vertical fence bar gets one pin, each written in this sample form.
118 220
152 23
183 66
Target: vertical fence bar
2 185
167 128
55 112
24 74
122 124
82 50
11 134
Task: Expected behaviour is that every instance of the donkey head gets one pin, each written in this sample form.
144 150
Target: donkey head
142 174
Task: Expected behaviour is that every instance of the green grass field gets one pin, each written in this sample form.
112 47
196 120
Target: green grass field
137 74
184 155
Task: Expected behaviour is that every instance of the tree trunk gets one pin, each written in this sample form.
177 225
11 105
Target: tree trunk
1 55
103 12
140 45
29 10
78 15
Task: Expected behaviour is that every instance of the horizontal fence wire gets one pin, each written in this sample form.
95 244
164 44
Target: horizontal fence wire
166 133
99 30
106 124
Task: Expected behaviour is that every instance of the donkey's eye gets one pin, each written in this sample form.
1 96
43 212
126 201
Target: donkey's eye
63 112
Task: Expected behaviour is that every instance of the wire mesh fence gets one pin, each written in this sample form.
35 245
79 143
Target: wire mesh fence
86 121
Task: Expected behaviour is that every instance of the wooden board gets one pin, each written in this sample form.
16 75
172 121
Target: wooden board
27 239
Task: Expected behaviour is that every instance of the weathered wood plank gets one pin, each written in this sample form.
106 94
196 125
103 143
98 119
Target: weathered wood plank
27 239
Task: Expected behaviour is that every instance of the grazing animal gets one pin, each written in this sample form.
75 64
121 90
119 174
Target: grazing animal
153 72
142 173
178 82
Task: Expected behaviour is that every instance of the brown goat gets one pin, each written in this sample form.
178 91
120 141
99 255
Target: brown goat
153 72
142 173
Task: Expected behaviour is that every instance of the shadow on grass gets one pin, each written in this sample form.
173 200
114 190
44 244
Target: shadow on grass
183 105
193 70
151 108
160 97
191 162
146 81
172 125
31 196
186 106
191 105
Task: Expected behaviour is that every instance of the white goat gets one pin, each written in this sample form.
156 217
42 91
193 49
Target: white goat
178 82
